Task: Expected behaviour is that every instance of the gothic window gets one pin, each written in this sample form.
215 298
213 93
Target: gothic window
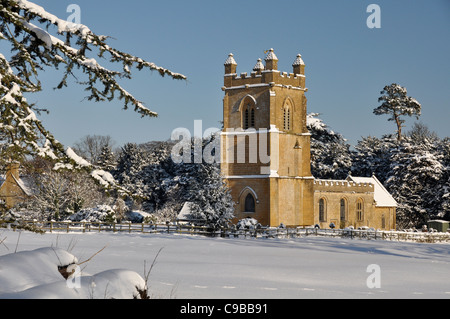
343 209
322 210
252 118
246 119
287 119
248 113
360 209
249 205
287 116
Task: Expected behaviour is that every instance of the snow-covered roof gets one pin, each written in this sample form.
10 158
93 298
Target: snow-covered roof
24 184
298 60
271 56
230 60
381 195
185 212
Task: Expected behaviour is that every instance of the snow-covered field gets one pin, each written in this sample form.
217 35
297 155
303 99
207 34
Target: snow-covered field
192 267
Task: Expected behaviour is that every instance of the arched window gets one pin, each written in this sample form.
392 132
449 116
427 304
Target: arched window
360 209
248 107
288 112
249 205
246 119
252 117
287 118
322 210
343 209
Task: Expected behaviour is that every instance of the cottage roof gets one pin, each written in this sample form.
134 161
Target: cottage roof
381 195
23 182
185 211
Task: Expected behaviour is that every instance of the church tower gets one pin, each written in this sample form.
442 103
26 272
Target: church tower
265 144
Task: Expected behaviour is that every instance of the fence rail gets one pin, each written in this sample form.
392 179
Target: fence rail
231 232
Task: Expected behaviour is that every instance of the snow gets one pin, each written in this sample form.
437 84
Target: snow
381 195
34 274
79 160
298 60
259 65
271 56
230 60
185 212
63 25
196 267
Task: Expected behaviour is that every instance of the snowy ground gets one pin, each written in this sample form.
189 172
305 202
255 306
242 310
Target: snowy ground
199 267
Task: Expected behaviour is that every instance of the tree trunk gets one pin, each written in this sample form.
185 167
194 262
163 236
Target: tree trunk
399 127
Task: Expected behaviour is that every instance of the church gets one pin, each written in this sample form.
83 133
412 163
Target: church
265 156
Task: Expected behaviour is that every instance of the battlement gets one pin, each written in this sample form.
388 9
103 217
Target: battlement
324 185
267 75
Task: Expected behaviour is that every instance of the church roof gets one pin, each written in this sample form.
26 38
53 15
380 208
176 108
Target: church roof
381 195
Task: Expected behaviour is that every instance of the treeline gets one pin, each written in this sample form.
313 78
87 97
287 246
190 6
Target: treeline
150 181
414 169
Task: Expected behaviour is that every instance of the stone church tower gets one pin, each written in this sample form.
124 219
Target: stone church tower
265 156
265 143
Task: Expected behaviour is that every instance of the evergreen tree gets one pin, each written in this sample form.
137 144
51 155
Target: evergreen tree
444 150
106 159
372 156
396 103
416 175
210 197
330 153
156 176
38 40
132 160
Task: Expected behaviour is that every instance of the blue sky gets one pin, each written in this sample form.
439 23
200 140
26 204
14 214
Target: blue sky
347 64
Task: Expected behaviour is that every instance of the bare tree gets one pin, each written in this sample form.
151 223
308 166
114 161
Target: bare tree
90 146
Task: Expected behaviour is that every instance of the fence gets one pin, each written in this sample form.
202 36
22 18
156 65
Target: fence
230 232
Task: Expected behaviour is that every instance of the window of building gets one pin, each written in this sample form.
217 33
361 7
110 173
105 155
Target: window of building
252 117
246 119
249 205
360 209
248 113
287 118
343 209
322 210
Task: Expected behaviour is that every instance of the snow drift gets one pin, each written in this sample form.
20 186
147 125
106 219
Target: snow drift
36 275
